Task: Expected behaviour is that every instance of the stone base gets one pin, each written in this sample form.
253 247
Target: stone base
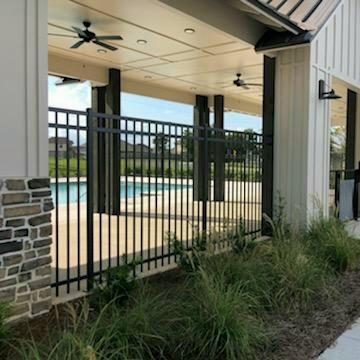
25 240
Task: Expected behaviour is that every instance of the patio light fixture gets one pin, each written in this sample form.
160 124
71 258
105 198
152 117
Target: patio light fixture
327 95
141 42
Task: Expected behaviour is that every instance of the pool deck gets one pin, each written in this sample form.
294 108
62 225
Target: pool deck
164 214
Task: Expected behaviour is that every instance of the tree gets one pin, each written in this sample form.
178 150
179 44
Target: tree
242 144
337 147
161 142
187 144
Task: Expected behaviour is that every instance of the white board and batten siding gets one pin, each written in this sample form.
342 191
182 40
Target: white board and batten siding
300 149
302 125
336 52
23 89
336 48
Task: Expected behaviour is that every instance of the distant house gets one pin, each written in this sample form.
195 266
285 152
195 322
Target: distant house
142 149
82 151
64 147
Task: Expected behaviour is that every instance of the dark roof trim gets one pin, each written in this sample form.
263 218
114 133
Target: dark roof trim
274 40
276 16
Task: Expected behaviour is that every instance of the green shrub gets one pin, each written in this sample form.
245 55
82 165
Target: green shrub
298 274
121 333
252 272
4 313
219 324
119 282
330 242
189 259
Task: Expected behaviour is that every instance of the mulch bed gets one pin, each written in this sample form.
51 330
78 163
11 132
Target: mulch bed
306 335
296 336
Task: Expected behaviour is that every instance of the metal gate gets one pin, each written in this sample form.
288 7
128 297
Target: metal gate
124 188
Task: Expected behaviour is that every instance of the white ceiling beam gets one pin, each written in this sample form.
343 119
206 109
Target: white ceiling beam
98 76
221 16
67 67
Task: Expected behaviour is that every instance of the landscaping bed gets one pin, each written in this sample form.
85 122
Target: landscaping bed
287 298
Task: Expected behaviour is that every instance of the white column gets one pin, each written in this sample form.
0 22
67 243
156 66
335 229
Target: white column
301 140
23 88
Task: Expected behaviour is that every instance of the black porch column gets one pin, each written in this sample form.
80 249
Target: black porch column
200 168
268 138
219 153
350 129
107 100
98 105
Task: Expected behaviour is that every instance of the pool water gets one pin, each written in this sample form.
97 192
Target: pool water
134 190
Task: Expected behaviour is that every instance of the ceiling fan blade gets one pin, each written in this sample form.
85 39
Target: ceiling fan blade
251 84
78 44
79 31
109 37
106 46
62 35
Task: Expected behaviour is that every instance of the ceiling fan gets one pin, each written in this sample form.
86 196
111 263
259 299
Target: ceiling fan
242 83
87 36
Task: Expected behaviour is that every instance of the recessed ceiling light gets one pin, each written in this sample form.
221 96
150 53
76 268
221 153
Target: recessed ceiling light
189 30
101 51
141 42
148 77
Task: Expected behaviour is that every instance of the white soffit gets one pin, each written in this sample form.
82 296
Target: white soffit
205 62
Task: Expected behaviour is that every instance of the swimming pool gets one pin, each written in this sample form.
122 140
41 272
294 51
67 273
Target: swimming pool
134 190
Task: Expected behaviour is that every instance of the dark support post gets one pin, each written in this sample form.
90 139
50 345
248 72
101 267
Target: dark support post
219 154
337 188
98 151
205 179
350 130
113 106
90 200
107 100
268 138
201 119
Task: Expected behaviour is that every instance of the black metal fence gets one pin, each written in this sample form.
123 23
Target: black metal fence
124 188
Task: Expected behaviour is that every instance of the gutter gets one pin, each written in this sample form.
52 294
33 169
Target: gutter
277 40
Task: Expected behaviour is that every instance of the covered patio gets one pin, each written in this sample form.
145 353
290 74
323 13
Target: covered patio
183 51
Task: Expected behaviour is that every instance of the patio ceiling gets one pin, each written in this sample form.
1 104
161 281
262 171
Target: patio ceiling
204 62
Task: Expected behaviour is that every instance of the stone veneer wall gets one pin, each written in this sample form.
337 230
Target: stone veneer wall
25 240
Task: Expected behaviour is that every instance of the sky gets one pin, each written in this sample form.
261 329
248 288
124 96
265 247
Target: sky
78 97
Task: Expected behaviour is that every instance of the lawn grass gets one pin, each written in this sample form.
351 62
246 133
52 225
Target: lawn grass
223 308
171 168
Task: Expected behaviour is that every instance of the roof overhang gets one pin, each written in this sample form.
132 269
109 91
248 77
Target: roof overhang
273 40
292 23
269 12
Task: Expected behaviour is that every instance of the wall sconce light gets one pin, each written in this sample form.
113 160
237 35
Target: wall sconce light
327 95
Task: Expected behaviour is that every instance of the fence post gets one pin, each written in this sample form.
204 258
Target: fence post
356 194
205 180
90 198
337 189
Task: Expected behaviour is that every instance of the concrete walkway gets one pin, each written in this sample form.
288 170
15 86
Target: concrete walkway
347 346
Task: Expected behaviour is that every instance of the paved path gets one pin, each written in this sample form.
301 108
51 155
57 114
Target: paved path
346 347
